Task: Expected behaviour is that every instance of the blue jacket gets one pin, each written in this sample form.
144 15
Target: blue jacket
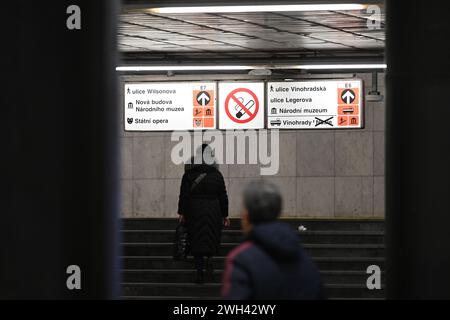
271 264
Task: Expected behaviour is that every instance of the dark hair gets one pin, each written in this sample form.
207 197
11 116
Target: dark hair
206 154
204 146
263 201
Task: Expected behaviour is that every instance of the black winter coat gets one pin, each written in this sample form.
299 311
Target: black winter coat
204 208
271 265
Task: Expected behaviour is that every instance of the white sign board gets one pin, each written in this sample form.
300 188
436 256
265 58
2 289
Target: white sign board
241 105
326 104
170 106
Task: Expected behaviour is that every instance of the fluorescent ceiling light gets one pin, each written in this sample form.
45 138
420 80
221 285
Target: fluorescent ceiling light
243 67
182 68
259 8
340 66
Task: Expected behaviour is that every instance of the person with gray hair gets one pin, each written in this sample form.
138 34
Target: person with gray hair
271 263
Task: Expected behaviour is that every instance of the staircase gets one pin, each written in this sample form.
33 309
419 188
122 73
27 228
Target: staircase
342 250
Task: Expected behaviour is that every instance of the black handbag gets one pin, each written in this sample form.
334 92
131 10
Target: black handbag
181 241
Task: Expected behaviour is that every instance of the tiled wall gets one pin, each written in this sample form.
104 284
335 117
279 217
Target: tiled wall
322 173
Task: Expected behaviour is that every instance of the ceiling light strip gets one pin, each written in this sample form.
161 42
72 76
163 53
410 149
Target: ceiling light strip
259 8
246 67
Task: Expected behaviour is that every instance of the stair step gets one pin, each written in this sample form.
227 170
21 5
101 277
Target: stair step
188 276
310 224
307 237
341 249
317 250
208 290
323 263
166 276
352 291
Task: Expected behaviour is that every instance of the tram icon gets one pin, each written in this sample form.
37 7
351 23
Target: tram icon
276 122
349 110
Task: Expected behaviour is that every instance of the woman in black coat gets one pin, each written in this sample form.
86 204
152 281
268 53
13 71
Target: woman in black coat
203 205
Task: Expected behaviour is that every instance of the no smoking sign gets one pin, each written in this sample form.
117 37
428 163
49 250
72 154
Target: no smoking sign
241 105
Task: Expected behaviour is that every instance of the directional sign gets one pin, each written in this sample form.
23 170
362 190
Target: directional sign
241 105
331 104
348 96
203 98
170 106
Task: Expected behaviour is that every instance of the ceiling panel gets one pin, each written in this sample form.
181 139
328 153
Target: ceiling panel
323 32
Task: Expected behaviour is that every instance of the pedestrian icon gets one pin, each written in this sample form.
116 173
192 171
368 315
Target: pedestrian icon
203 98
348 96
128 91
